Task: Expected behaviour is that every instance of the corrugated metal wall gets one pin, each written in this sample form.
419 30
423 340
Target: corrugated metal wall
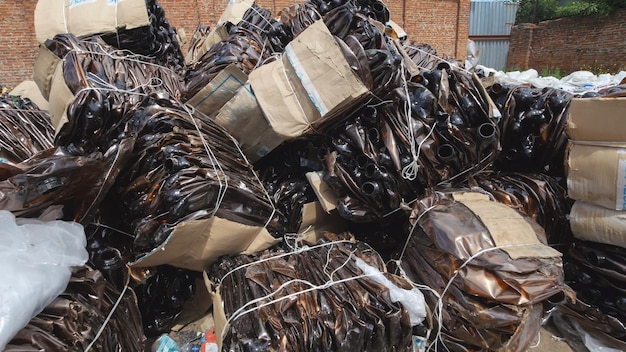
490 26
493 53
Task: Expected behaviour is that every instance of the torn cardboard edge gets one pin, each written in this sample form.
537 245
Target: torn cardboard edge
596 120
596 173
508 228
196 244
85 17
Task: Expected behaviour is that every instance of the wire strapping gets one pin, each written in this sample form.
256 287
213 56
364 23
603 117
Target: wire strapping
214 161
108 318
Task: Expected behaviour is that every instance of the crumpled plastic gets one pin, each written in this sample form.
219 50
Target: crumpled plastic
36 259
597 273
25 129
316 298
490 301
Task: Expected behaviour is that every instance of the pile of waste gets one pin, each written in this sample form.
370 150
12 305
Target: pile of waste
314 181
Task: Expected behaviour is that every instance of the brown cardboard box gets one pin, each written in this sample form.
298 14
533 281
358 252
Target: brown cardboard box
597 119
594 223
310 84
84 17
596 173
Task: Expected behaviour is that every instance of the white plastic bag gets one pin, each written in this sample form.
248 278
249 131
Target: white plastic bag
35 265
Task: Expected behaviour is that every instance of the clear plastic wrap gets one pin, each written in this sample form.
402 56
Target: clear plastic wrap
36 260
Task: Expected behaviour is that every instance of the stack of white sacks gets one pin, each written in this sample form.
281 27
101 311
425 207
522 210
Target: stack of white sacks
596 166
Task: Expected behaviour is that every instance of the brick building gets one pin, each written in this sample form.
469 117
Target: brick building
442 23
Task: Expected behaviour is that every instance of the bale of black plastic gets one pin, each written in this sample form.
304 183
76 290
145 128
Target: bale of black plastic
329 295
106 84
158 40
488 287
25 129
532 128
182 167
161 297
597 272
243 48
52 177
283 174
387 154
91 314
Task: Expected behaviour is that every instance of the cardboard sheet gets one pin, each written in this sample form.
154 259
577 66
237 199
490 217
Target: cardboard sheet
508 228
220 90
30 90
242 117
326 195
596 173
60 98
45 66
597 119
84 17
597 224
196 244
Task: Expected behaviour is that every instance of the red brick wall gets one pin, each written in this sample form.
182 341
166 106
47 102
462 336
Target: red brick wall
571 44
17 41
442 23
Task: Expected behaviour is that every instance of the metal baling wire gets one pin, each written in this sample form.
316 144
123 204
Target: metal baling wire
124 54
410 171
468 170
254 8
108 318
300 250
221 194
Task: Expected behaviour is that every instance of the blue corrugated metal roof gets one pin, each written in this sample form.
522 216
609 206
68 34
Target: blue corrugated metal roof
492 17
